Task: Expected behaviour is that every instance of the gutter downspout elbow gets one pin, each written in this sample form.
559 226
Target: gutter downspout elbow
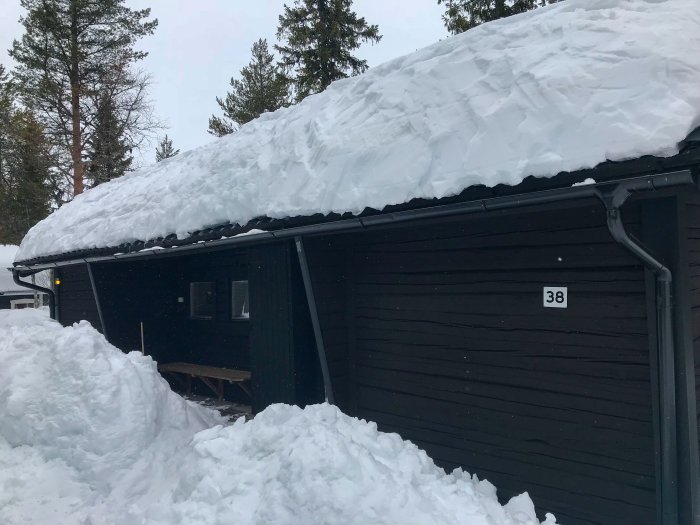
665 346
47 291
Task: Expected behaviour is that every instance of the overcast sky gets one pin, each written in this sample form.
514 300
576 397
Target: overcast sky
200 44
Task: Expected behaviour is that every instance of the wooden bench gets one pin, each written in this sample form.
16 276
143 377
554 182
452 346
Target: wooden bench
208 374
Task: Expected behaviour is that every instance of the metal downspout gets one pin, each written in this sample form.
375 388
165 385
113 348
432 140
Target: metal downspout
97 299
35 287
666 352
306 276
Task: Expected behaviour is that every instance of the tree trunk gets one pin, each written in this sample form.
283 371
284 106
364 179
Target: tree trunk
324 18
76 150
76 138
500 10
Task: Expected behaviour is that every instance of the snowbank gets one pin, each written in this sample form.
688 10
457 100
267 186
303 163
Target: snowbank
80 420
91 435
557 89
70 390
320 466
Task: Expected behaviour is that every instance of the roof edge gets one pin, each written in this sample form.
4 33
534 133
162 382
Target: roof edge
577 191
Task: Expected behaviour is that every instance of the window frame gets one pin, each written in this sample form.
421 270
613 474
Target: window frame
191 314
246 304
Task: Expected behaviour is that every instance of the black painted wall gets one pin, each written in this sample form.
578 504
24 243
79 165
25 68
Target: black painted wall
156 293
221 341
448 344
142 292
693 209
669 221
276 343
437 332
328 260
74 296
284 363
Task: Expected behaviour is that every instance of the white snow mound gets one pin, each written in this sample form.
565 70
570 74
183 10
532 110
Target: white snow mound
558 89
91 435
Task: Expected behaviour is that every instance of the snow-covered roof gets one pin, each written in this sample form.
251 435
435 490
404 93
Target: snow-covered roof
7 285
561 88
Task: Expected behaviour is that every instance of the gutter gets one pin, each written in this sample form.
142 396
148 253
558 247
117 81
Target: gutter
48 291
636 184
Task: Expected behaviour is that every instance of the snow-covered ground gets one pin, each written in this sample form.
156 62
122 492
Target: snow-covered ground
91 435
560 88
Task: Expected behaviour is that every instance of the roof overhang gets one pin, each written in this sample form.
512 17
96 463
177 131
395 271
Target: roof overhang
577 192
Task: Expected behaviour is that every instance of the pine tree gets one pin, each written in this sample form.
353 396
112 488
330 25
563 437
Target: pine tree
461 15
28 194
109 154
261 88
165 149
319 37
6 112
25 161
67 49
6 146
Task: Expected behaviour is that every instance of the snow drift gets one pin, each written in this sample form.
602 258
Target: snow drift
558 89
91 435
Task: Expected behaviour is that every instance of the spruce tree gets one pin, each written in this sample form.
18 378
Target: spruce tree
109 154
28 194
68 47
318 38
6 112
165 149
461 15
25 160
261 88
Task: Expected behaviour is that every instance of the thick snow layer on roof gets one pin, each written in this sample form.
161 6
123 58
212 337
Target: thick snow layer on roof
557 89
7 255
91 435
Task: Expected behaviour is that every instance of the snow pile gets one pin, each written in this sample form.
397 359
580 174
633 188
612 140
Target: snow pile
7 255
557 89
79 419
90 435
320 466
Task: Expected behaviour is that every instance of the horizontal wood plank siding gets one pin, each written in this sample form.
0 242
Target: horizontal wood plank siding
327 259
76 301
143 292
448 344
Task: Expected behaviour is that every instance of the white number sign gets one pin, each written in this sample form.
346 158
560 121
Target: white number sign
555 297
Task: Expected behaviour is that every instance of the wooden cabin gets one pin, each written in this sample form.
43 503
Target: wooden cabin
505 331
490 247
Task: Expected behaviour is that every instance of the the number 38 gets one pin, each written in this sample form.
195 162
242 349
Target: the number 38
553 297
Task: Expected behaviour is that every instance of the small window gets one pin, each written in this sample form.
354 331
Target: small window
202 300
19 304
239 300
